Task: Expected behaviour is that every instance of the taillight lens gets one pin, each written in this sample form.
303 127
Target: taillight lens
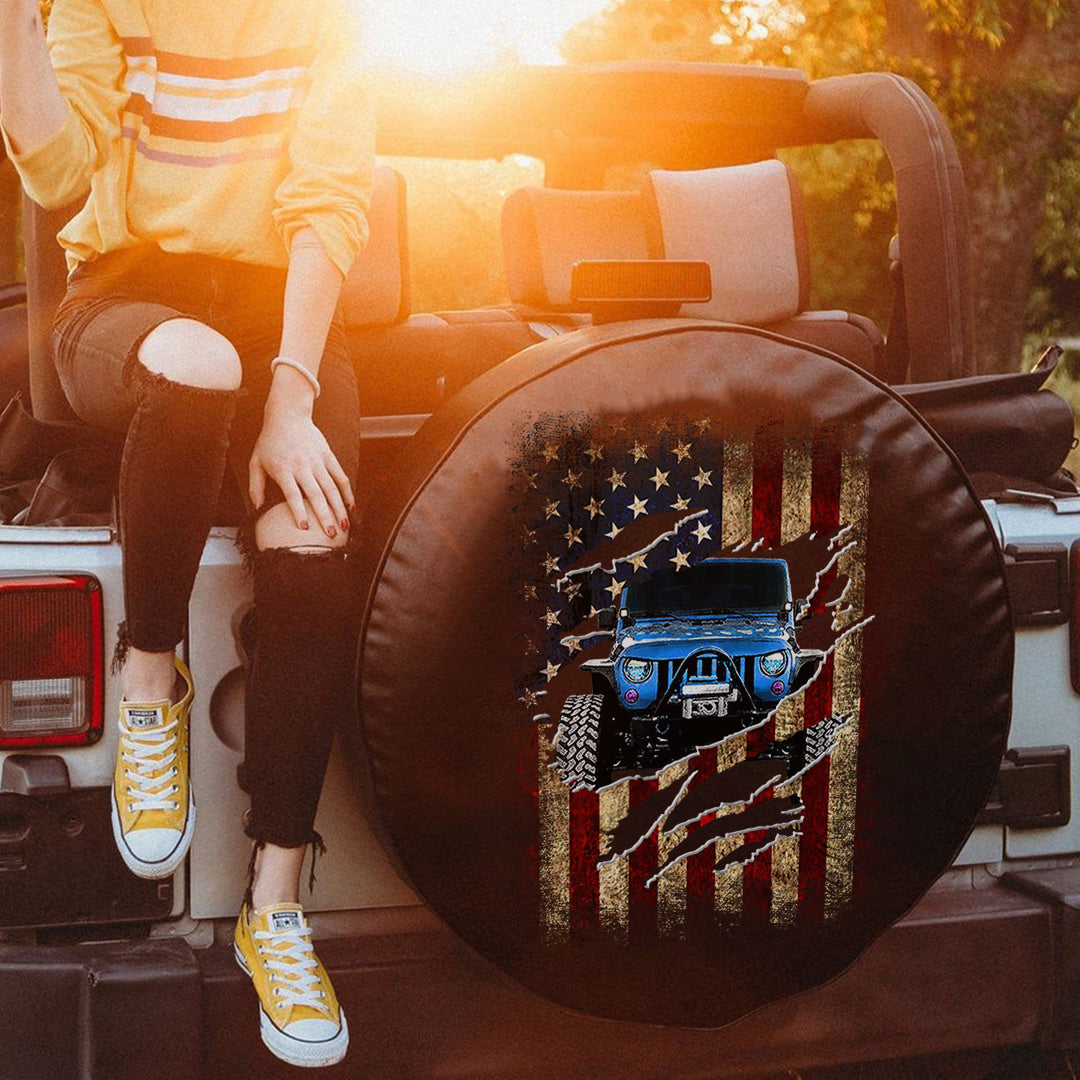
51 660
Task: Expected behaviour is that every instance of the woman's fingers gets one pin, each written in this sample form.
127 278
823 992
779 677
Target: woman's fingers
319 506
333 467
294 500
333 497
256 482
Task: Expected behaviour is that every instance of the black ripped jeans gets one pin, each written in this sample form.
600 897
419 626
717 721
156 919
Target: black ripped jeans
178 442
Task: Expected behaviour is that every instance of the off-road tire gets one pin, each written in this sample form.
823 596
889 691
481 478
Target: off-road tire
580 752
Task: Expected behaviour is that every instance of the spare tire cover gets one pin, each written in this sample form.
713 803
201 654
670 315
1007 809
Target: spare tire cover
604 876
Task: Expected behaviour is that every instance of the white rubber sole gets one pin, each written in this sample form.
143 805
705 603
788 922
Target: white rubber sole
155 870
305 1055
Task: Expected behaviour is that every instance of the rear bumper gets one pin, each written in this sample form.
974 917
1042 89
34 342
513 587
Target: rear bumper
968 967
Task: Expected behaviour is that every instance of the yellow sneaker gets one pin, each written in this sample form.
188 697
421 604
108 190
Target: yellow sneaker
153 809
300 1019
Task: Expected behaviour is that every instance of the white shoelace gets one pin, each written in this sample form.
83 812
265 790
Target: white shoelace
296 984
150 752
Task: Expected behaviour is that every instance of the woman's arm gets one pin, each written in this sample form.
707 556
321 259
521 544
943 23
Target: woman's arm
291 450
31 105
59 103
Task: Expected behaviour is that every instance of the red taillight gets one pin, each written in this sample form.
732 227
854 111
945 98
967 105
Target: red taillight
51 661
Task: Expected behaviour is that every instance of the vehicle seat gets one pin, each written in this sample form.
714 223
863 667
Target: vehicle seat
408 364
746 221
376 290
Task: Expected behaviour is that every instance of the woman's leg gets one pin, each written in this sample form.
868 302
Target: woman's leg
171 383
304 601
174 459
301 675
168 384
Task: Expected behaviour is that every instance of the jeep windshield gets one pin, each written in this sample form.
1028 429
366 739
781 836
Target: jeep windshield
721 587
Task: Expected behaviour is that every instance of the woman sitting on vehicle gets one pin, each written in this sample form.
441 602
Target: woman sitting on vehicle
225 156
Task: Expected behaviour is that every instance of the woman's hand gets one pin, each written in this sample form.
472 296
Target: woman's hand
33 108
293 453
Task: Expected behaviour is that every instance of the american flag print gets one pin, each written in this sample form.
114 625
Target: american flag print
609 501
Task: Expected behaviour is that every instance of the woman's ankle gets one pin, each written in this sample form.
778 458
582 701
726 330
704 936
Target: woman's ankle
276 877
149 676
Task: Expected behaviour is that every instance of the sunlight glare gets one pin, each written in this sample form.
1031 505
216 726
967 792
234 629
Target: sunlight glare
449 36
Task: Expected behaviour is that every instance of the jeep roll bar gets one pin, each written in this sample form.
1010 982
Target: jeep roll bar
931 204
581 118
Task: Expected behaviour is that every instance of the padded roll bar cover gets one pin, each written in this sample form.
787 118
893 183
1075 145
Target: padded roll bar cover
452 759
931 203
46 278
1024 435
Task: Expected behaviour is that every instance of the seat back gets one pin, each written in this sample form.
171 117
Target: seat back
46 275
376 291
546 230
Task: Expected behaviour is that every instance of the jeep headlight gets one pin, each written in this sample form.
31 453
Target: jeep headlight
773 664
637 670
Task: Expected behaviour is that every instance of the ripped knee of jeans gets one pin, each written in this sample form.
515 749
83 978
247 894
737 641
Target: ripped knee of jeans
250 552
143 381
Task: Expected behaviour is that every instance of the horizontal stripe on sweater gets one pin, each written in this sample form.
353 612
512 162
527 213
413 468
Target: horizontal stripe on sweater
210 68
170 157
221 110
207 130
140 69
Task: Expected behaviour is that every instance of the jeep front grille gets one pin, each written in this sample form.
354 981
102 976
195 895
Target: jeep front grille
702 669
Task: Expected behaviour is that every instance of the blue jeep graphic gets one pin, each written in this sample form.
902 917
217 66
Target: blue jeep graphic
700 653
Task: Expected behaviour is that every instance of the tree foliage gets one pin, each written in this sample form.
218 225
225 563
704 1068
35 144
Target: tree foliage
1005 73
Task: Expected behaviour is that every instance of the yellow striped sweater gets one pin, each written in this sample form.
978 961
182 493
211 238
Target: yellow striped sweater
213 126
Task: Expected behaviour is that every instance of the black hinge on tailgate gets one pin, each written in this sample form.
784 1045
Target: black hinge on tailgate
1032 790
1037 576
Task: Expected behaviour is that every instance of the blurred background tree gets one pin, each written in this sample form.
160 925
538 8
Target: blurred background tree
1006 74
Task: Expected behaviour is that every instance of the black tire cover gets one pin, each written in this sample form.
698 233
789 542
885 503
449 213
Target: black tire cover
468 546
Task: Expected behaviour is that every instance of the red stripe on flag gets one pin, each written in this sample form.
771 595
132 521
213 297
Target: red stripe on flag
766 521
700 877
584 852
642 900
824 518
